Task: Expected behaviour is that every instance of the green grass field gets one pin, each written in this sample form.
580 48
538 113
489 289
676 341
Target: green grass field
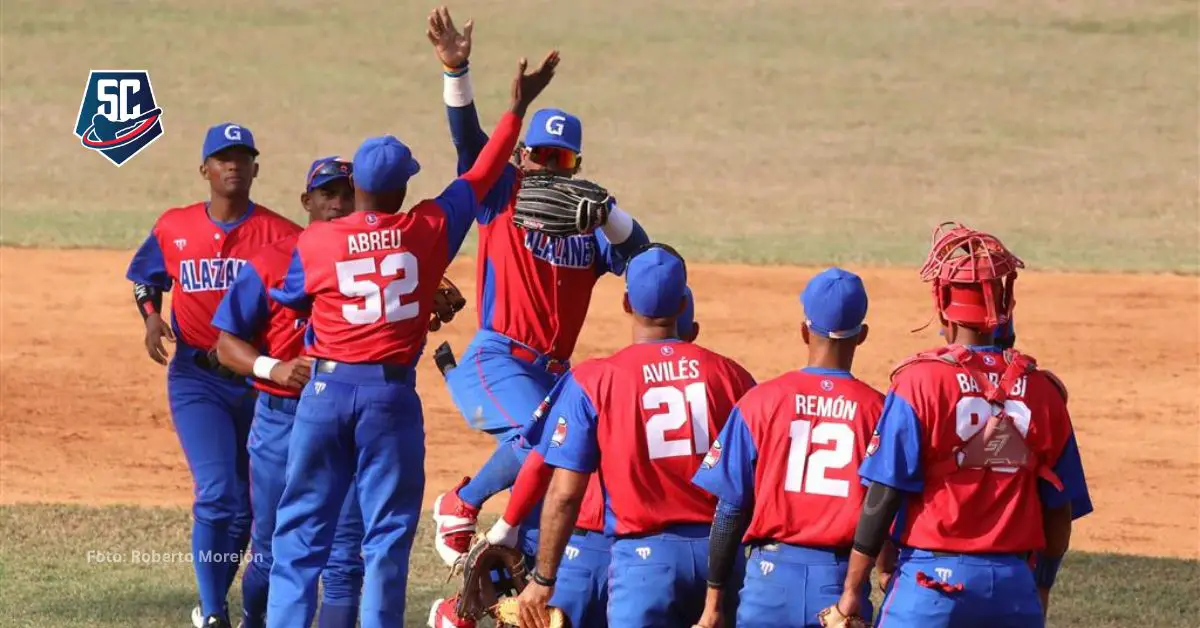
768 131
58 571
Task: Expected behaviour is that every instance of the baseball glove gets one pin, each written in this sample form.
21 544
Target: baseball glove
490 572
560 206
508 616
447 302
833 618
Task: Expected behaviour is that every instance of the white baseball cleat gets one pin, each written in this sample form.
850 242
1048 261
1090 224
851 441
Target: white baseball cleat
442 615
197 617
456 522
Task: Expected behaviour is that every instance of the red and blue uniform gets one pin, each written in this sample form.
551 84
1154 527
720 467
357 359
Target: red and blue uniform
248 312
533 290
965 533
643 419
197 259
790 454
369 280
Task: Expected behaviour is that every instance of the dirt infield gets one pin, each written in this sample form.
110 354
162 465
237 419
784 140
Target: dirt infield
85 417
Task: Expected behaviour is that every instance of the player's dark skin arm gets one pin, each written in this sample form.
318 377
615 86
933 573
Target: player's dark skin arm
559 513
239 356
879 510
149 303
1056 525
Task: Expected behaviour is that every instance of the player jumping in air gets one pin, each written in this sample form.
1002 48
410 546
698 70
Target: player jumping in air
582 588
261 338
785 469
643 418
533 290
369 280
197 250
976 452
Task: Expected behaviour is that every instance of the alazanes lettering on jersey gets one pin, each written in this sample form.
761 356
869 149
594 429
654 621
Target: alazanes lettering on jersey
202 275
967 384
577 251
372 241
674 371
826 407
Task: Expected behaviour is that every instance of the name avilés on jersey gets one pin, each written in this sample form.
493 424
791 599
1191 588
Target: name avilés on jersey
577 251
202 275
671 371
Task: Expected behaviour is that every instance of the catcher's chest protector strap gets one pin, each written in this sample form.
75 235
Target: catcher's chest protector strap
999 444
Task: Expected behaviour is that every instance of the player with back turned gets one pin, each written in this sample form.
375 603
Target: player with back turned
261 338
643 419
197 251
976 453
785 469
533 291
369 280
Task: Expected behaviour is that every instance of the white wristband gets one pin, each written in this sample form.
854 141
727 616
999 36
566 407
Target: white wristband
619 226
457 91
263 365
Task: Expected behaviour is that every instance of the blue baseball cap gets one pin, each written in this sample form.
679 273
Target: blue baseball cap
225 135
835 303
656 282
557 128
327 169
683 325
383 164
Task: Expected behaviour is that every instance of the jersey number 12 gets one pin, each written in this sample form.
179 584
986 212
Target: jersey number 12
376 303
807 473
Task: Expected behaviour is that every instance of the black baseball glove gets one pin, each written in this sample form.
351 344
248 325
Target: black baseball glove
561 206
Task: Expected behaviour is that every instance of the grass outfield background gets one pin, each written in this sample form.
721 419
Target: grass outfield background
767 131
51 580
830 131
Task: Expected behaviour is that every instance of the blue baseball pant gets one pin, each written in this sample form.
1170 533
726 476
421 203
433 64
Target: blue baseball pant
497 392
343 574
212 417
582 588
997 592
661 580
787 586
362 419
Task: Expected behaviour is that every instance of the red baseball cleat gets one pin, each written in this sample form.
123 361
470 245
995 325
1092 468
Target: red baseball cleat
456 521
442 615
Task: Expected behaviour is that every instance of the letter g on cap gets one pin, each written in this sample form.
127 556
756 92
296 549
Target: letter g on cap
555 124
233 133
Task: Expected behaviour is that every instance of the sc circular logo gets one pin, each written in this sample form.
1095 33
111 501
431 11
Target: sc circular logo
667 351
989 360
826 385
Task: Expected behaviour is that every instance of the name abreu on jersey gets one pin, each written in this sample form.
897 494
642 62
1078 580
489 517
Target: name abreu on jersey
577 251
203 275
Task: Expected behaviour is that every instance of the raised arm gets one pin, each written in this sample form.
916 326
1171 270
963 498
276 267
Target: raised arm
619 238
453 49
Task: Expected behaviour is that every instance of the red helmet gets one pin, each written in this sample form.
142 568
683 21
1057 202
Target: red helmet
972 274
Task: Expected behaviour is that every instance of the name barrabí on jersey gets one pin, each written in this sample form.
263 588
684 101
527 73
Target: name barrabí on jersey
967 384
673 371
372 241
203 275
577 251
826 407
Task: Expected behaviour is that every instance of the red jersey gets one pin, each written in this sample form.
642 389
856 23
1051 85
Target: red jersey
190 251
644 418
933 409
792 449
248 312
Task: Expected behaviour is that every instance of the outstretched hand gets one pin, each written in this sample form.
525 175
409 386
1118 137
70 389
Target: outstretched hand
527 87
452 47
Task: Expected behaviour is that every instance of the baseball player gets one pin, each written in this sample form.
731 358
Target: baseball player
643 419
370 280
582 588
785 471
197 250
976 446
260 338
533 289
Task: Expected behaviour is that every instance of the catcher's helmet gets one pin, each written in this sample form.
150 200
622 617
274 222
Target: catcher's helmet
972 273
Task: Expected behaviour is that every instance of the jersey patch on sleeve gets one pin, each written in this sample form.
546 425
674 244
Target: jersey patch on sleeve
873 446
560 432
713 456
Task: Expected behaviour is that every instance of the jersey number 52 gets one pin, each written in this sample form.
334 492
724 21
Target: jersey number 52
379 303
